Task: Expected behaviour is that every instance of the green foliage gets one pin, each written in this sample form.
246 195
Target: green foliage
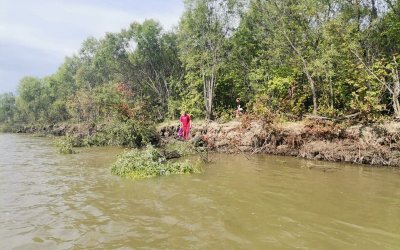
274 94
31 100
127 133
7 107
285 57
225 115
182 147
156 63
139 164
203 36
131 133
6 127
260 108
193 103
65 145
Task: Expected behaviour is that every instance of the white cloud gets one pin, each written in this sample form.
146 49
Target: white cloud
54 29
33 38
41 24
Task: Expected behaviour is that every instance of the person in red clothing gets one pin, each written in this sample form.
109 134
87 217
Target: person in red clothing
186 124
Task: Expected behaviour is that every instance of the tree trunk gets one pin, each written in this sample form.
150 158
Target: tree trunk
314 92
164 106
396 105
164 96
208 89
374 11
396 89
312 83
307 73
331 92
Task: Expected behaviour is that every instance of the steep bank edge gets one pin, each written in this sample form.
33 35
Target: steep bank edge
377 144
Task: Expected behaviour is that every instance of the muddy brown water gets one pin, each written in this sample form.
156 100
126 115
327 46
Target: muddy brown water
53 201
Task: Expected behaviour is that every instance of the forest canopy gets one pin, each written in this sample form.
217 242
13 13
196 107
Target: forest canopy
324 57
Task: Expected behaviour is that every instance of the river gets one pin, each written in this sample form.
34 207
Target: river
53 201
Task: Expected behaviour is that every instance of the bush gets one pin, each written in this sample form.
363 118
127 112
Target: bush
65 145
225 115
182 147
6 128
122 133
260 109
139 164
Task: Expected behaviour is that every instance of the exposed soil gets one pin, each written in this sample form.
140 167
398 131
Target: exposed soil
377 144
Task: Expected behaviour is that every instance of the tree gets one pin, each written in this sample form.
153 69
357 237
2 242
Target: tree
155 60
32 100
7 107
204 29
300 24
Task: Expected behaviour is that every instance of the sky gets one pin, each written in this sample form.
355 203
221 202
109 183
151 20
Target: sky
36 35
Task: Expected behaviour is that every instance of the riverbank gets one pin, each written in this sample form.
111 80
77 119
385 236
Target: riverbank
376 144
113 133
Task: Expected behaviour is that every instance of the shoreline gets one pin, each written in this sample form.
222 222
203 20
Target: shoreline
374 145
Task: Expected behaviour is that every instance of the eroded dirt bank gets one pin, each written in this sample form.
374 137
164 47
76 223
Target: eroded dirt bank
373 144
377 144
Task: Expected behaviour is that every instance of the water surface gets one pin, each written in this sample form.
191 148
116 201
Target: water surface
53 201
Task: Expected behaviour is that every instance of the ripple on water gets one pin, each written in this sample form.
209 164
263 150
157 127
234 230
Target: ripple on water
52 201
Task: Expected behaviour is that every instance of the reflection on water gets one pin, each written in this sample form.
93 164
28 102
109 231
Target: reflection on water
52 201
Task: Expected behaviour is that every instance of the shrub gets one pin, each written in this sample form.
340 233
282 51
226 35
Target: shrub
122 133
65 145
182 147
139 164
6 128
225 115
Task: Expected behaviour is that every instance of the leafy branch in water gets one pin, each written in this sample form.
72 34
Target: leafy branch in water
139 164
183 148
65 145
